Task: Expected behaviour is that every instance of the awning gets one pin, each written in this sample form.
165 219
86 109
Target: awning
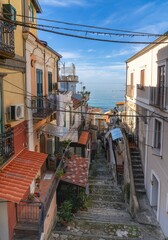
83 139
16 177
77 171
54 130
72 135
115 133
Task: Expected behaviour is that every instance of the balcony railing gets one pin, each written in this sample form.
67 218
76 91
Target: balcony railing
7 47
142 91
69 78
43 106
6 145
159 97
130 91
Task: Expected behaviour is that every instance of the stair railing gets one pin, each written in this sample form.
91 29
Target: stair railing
129 185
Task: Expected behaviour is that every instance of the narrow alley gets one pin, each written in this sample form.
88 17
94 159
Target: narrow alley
106 216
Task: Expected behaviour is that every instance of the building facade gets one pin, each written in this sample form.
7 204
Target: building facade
147 110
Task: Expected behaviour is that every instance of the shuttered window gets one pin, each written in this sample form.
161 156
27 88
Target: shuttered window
142 78
49 83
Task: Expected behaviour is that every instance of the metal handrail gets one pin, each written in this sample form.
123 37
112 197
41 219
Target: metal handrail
134 205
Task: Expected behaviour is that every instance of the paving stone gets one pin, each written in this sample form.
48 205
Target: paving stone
107 217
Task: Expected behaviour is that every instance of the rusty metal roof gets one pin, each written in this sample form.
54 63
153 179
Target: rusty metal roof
83 139
18 174
76 171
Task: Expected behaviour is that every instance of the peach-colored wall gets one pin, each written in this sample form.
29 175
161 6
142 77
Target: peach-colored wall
51 217
11 218
33 75
20 136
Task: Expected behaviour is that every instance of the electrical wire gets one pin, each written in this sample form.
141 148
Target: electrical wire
89 26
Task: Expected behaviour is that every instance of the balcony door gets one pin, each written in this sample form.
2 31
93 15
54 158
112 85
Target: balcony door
39 82
161 86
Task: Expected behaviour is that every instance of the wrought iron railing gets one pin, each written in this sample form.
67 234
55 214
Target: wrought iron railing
7 47
6 145
28 212
43 106
68 78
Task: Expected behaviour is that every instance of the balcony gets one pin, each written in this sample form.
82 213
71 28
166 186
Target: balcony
130 91
7 48
43 106
6 145
142 91
69 78
159 97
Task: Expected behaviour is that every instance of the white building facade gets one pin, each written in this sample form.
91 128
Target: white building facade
147 107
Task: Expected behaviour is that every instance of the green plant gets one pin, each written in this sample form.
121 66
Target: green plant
65 143
59 172
65 211
31 197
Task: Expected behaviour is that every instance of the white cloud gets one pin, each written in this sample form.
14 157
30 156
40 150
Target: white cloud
118 53
70 55
64 3
143 8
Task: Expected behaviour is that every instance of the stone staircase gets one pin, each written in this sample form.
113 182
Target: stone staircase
26 231
137 170
106 217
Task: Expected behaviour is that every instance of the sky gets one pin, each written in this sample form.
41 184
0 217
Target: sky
100 66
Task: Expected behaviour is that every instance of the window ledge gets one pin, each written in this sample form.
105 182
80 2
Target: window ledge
157 152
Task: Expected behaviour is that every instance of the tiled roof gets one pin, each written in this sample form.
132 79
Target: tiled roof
77 171
76 102
16 177
83 138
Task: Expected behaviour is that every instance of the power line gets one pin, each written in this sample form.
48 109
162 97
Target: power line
85 37
89 26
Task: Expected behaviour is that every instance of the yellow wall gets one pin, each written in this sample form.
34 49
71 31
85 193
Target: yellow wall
12 94
17 4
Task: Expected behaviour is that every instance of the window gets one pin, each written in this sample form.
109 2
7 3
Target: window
157 143
142 78
39 81
132 79
31 13
161 86
49 83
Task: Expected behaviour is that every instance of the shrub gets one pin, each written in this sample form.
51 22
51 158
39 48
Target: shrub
66 211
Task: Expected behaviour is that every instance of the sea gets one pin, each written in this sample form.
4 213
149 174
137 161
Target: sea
107 97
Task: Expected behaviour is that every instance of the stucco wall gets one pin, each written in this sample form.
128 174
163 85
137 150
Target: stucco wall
50 217
4 234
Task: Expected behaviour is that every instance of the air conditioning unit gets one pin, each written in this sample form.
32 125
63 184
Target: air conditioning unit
16 112
50 145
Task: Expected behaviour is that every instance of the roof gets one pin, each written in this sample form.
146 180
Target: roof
16 177
83 139
37 6
148 47
77 171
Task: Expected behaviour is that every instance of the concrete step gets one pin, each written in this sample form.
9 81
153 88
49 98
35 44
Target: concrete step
107 205
112 198
26 231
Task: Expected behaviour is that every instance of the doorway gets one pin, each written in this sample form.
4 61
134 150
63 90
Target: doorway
155 194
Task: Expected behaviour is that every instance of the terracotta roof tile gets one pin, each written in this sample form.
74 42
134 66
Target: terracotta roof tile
77 171
16 177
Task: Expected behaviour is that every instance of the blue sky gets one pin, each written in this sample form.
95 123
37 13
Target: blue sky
101 66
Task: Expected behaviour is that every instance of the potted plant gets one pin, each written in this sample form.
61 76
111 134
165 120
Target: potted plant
31 197
59 173
65 214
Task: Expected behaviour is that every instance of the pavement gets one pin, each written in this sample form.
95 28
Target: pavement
107 216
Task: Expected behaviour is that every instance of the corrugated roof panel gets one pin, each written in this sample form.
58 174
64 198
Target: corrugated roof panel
83 138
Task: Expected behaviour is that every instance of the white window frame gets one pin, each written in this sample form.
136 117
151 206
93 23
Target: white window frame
158 151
